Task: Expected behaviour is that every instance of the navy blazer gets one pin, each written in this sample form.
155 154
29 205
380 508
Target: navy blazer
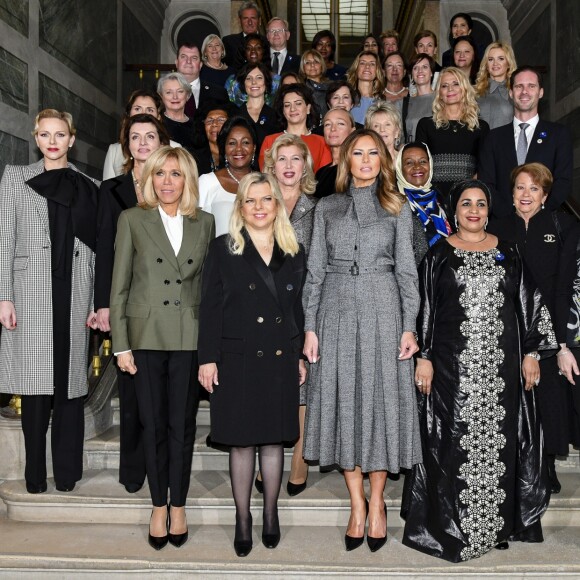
551 145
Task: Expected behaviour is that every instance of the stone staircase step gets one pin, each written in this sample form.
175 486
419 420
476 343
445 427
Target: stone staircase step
99 498
102 452
202 412
85 552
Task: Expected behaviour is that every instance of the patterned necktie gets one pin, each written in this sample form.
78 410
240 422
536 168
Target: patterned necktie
276 63
522 149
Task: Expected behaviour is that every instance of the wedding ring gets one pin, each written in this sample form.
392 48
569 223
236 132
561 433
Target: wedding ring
537 382
419 383
560 373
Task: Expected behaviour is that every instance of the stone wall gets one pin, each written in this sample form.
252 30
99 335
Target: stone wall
70 55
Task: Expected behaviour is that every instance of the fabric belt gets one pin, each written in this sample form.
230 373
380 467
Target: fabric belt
356 270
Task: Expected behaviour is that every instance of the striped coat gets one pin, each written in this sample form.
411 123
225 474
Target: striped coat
26 353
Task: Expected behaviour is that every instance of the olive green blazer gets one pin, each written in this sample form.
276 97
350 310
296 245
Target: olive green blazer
155 294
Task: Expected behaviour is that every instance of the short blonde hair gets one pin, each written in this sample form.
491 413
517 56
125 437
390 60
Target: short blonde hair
54 114
469 106
190 196
206 41
317 57
307 181
284 233
482 81
389 110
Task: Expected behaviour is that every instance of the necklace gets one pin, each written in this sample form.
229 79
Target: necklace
469 242
232 175
395 93
137 185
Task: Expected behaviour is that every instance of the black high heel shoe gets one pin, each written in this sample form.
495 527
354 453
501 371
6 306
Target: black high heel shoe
295 488
555 485
271 540
176 540
352 543
155 541
377 543
502 546
242 547
259 485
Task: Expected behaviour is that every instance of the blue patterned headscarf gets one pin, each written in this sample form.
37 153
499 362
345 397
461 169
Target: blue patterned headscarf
423 201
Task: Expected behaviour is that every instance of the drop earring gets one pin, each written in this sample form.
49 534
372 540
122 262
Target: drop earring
456 224
486 222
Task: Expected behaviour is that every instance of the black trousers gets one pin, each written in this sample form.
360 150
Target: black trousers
168 398
68 425
132 454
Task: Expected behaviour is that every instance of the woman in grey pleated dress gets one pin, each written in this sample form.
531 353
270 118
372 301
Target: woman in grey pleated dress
360 303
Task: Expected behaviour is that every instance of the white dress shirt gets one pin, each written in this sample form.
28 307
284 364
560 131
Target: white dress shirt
195 88
173 228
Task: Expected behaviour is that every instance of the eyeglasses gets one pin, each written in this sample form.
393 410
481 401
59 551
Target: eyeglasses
276 30
216 121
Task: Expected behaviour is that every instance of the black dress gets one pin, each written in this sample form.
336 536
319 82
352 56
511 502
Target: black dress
326 181
483 479
455 151
541 245
266 124
182 133
251 324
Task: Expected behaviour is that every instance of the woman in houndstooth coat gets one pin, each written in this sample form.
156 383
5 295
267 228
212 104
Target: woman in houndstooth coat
47 241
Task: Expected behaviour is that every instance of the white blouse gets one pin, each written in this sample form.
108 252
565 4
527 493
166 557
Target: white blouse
214 199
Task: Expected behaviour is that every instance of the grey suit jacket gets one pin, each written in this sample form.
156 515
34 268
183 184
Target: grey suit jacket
155 294
26 353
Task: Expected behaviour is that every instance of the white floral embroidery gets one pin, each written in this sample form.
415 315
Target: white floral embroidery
545 326
482 412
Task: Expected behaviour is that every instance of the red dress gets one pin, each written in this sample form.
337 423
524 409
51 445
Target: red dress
320 152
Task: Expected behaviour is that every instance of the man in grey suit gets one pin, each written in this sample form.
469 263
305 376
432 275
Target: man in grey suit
527 139
278 35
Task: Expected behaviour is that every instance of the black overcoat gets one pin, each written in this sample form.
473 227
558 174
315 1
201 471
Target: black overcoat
251 325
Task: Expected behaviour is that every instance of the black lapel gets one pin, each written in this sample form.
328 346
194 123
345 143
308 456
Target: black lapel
124 191
535 148
252 256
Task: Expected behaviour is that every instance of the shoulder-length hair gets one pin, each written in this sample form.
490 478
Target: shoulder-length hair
55 114
469 106
308 181
190 196
225 131
283 231
378 83
482 81
313 53
335 86
247 69
209 38
539 174
303 91
389 198
140 118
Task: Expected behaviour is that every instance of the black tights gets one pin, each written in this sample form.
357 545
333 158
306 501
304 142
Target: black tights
242 469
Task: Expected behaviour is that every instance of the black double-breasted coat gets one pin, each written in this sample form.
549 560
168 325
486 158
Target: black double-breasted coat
251 326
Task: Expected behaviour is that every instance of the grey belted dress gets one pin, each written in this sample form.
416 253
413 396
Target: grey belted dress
361 293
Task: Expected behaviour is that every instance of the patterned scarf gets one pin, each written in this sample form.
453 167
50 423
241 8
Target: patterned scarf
424 203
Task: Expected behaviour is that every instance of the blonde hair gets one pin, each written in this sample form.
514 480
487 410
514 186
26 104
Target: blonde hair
284 233
389 198
469 106
317 57
378 83
390 110
482 80
307 182
190 196
206 41
539 174
54 114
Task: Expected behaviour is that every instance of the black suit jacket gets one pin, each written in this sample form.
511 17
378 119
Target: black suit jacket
291 63
551 145
208 93
251 326
235 56
116 195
